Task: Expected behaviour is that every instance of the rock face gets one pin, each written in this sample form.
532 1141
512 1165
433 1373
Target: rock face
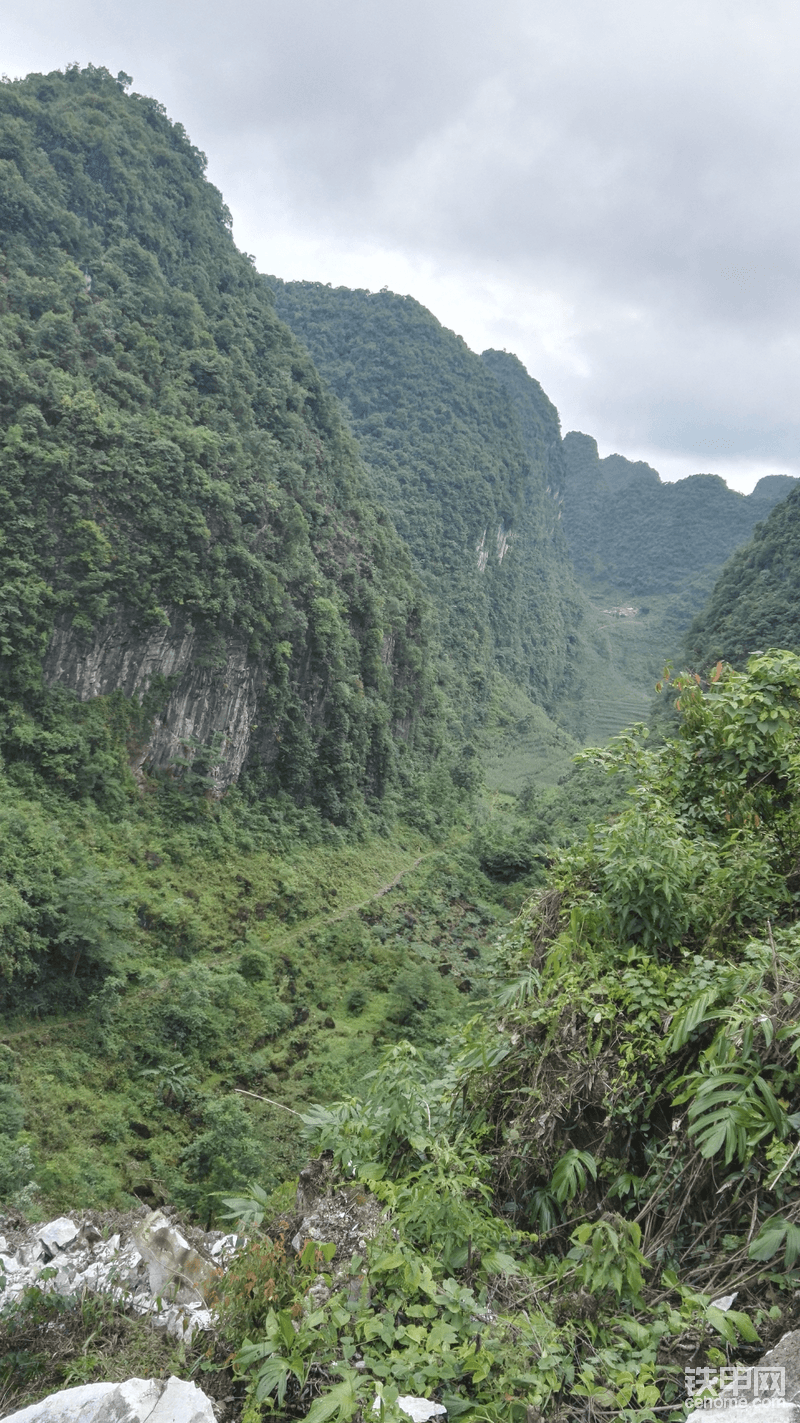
135 1401
205 704
333 1213
151 1267
768 1392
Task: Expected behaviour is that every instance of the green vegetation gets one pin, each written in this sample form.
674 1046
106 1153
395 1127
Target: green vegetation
646 555
448 459
171 467
153 969
613 1145
755 603
626 527
289 701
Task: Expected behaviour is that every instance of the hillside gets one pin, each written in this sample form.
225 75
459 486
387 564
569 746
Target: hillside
626 527
646 555
449 460
292 857
185 521
755 603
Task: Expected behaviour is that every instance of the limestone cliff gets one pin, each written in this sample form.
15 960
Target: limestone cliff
181 509
208 706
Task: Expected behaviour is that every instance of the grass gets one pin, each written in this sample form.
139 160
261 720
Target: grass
282 975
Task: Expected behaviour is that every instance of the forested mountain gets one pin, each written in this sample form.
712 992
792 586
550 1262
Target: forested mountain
258 585
449 459
624 526
184 516
755 604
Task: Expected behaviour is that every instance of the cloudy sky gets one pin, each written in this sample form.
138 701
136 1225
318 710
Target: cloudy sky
606 187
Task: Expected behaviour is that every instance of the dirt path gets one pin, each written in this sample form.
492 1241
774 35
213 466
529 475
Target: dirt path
342 913
275 941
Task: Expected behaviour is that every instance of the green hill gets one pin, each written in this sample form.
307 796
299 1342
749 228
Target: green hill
625 527
646 555
184 518
449 460
755 603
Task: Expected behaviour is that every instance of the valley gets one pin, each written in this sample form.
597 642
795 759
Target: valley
308 616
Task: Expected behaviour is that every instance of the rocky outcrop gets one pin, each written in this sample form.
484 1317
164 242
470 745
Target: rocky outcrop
148 1264
169 1400
208 705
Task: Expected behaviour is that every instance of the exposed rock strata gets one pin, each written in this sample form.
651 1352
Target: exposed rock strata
204 703
148 1265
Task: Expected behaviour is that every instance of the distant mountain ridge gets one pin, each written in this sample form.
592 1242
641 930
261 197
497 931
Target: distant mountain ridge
755 604
624 524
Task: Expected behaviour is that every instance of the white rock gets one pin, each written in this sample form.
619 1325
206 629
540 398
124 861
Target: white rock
420 1410
30 1251
57 1233
136 1401
226 1245
725 1302
175 1269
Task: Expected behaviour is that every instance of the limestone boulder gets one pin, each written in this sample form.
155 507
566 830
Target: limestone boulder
135 1401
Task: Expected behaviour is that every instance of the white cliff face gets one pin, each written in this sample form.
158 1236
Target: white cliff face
204 704
502 544
482 553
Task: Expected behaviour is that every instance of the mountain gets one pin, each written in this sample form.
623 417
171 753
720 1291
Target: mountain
624 525
450 461
185 521
755 604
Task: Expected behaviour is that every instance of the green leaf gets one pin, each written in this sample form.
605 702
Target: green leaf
340 1402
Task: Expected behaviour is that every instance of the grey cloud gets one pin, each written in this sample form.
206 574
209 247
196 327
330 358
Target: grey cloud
638 164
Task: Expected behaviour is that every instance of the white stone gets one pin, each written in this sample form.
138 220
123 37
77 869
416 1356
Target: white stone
175 1269
30 1251
226 1245
136 1401
57 1233
725 1302
420 1410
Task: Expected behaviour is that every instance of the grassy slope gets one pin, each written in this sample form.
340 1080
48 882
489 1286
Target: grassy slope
353 943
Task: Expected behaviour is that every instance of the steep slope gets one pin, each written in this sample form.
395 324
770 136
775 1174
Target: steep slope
646 555
625 526
448 459
184 518
755 604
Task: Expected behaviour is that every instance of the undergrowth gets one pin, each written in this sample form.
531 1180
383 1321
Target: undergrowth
612 1148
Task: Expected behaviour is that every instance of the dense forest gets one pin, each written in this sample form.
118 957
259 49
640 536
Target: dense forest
756 602
448 458
623 524
179 493
304 611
